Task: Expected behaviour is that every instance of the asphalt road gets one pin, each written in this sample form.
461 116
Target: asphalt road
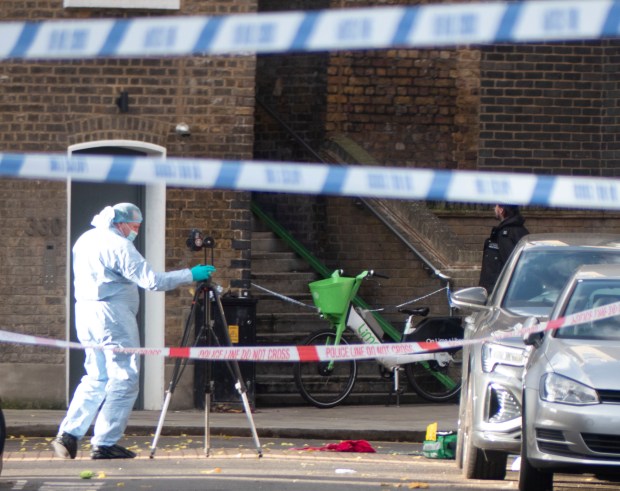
180 465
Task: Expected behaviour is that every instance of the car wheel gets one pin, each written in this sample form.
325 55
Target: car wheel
477 463
458 453
531 478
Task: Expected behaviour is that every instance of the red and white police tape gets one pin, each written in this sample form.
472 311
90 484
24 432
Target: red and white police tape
321 353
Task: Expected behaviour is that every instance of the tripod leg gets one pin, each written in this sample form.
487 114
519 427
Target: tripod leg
207 426
233 366
248 413
160 424
396 385
179 367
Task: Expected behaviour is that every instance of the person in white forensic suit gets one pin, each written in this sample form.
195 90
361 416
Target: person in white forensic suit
108 270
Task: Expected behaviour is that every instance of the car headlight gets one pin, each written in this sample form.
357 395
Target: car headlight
557 388
499 354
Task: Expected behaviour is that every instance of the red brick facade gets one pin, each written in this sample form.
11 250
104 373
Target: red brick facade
546 109
48 106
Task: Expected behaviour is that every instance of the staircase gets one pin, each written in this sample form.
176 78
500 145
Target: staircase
279 322
276 268
412 222
283 322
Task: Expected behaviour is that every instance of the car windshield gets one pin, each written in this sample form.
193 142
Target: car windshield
589 294
540 275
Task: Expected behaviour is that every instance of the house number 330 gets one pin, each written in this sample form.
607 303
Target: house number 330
44 227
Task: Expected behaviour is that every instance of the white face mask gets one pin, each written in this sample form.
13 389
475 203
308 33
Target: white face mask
132 235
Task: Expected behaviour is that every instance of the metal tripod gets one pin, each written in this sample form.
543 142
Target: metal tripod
209 293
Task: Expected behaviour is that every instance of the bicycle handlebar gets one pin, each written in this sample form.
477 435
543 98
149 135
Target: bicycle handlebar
421 311
378 275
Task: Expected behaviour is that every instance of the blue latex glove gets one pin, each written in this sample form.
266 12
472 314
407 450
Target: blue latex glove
201 272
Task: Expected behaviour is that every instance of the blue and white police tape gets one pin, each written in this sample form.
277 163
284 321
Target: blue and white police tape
310 353
302 178
321 30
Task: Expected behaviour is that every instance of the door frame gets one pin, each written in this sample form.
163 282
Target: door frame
154 230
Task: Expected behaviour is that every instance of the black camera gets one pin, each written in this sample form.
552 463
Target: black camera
197 241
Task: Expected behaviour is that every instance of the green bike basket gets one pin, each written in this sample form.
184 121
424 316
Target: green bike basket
332 295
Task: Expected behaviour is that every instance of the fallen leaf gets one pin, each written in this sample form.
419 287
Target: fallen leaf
217 470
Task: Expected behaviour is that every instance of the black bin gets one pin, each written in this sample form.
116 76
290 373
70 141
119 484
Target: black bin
240 315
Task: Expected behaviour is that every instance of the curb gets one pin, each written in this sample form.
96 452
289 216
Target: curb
413 436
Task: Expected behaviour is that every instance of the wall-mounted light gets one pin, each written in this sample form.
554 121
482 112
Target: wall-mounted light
182 129
123 101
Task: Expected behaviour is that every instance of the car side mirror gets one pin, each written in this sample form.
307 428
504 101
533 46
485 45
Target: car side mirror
474 298
532 338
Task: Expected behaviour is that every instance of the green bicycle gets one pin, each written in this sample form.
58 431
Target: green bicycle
435 376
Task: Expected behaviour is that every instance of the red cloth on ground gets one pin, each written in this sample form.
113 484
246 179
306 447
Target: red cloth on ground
359 446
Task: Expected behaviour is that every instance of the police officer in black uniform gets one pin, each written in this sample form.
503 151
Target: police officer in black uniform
500 244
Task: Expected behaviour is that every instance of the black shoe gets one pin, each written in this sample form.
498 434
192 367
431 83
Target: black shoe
111 452
65 446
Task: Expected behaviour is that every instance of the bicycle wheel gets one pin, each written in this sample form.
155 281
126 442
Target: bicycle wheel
322 383
434 382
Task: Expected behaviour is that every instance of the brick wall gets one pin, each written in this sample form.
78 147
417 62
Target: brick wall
473 225
550 109
292 94
47 106
358 241
405 107
398 104
32 290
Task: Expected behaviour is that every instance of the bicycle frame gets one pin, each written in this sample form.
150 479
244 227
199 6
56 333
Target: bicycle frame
358 321
364 332
328 383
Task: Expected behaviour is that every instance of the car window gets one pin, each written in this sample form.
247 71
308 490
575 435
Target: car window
589 294
540 275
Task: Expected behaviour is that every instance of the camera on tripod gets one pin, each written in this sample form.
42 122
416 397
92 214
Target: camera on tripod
197 241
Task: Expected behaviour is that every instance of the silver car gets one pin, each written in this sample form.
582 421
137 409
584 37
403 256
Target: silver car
489 426
572 389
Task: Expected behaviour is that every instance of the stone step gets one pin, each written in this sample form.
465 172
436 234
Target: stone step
367 370
278 387
268 242
284 282
281 322
289 321
270 304
278 262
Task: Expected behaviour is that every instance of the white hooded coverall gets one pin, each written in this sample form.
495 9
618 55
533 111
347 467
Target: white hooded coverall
108 270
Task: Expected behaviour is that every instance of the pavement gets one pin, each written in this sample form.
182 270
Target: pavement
403 423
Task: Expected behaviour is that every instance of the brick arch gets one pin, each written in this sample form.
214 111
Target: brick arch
114 127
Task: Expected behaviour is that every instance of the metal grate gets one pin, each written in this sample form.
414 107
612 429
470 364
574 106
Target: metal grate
547 434
609 396
555 448
602 443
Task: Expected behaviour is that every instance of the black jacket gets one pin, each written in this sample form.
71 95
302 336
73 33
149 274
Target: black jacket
497 249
